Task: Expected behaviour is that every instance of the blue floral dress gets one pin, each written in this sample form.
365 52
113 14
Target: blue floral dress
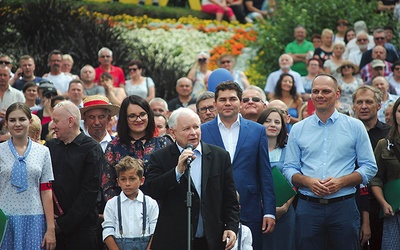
116 150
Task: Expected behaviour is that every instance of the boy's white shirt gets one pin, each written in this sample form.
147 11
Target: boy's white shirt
131 213
247 239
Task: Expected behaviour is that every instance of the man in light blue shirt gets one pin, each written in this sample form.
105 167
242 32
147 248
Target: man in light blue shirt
320 161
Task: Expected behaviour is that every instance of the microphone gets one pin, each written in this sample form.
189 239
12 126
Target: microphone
189 159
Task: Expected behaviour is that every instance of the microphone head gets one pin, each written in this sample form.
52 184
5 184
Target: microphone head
189 146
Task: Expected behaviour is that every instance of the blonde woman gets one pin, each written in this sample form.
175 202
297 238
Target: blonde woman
324 52
331 65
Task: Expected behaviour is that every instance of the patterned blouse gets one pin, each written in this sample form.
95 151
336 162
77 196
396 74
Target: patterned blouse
116 150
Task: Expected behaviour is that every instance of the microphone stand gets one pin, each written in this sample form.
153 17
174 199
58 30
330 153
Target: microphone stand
189 207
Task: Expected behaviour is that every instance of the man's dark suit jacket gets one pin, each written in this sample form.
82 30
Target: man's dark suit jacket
219 205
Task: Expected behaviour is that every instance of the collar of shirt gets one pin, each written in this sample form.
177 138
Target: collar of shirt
332 119
198 148
139 197
235 124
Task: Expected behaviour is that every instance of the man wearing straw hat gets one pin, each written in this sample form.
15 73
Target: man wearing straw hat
96 113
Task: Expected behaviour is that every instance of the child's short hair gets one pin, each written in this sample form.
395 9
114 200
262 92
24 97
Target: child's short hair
128 163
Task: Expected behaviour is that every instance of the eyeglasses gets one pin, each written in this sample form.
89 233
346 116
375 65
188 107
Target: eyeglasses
105 56
134 117
362 40
133 69
204 109
347 67
227 61
379 38
5 62
254 99
55 61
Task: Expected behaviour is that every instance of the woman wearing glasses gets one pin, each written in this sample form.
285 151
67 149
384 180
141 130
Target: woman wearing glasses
137 137
138 84
348 81
285 90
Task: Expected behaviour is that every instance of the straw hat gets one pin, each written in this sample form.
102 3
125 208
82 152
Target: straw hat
98 102
345 63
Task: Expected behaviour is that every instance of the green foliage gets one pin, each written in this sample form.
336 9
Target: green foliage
314 16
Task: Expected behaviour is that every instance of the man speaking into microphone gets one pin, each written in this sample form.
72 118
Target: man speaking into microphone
215 209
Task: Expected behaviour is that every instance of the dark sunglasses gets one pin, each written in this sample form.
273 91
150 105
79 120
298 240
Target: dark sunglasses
133 69
254 99
379 38
227 61
5 62
362 40
105 56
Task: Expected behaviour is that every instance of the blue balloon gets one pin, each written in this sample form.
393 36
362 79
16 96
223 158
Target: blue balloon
218 76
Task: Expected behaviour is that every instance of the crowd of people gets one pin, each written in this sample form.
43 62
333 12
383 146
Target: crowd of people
96 159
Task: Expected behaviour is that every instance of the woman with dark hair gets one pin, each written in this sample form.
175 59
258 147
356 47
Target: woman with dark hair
138 84
394 79
137 137
285 90
30 91
25 187
387 157
283 236
349 35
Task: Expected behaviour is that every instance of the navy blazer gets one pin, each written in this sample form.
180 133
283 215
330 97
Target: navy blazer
219 205
251 168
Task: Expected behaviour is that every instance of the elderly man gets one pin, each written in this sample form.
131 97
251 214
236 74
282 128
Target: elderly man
298 50
8 94
253 103
382 84
285 62
205 106
362 42
105 57
159 105
215 209
76 159
25 73
90 88
60 79
96 114
184 87
380 40
366 106
246 142
378 53
321 165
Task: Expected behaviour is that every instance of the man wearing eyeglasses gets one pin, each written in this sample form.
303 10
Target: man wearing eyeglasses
56 76
253 103
205 106
362 42
380 39
105 57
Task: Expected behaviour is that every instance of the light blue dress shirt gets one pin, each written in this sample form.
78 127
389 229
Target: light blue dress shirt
321 150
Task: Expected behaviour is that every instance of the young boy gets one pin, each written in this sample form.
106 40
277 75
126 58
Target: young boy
131 200
244 240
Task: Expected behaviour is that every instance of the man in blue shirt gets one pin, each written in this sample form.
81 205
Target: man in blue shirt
320 160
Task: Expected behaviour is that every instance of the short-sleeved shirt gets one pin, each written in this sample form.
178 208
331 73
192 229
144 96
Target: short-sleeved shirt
116 72
10 96
60 81
95 90
141 89
296 48
20 83
274 77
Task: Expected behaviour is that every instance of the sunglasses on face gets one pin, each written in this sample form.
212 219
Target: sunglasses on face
254 99
105 56
379 38
227 61
133 69
362 40
5 62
